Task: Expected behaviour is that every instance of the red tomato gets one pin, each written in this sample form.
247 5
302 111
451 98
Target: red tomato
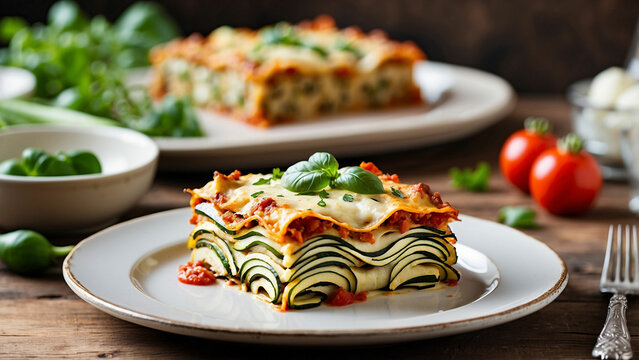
522 148
565 179
341 297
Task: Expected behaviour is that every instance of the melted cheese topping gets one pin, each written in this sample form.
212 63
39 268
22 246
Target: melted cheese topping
364 214
312 47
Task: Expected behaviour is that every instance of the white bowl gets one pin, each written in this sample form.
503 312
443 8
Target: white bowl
78 203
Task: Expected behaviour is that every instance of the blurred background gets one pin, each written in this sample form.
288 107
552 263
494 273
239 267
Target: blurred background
538 46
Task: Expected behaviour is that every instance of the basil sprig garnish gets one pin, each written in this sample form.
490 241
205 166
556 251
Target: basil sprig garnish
321 170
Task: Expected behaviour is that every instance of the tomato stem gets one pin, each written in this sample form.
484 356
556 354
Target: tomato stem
537 125
571 143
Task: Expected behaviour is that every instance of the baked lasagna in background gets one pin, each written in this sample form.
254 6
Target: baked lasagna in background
297 250
285 71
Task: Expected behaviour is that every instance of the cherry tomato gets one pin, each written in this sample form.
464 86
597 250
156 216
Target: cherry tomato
522 148
565 179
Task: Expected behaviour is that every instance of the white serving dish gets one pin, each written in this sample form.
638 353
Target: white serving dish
130 271
75 203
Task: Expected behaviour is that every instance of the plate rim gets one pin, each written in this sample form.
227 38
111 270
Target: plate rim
172 325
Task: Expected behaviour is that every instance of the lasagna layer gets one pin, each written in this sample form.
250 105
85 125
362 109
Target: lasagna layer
299 276
239 202
285 71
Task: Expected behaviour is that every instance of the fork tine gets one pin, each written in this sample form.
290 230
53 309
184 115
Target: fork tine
635 247
627 249
618 255
606 264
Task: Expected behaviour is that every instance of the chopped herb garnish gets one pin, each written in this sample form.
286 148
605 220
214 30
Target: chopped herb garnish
277 174
262 181
347 197
280 195
518 216
471 180
323 194
256 194
397 193
322 203
308 193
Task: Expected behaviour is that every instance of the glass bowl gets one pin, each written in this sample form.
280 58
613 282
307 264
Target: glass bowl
601 129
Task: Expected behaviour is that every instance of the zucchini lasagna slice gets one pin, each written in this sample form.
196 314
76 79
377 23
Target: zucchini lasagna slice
285 71
297 250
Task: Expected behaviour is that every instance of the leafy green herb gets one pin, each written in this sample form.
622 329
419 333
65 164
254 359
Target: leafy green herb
348 47
322 203
397 193
277 174
80 64
347 197
323 194
280 195
256 194
284 34
321 170
307 193
359 180
518 216
262 181
36 162
471 180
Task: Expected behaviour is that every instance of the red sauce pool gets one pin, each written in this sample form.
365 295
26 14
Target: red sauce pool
342 297
195 274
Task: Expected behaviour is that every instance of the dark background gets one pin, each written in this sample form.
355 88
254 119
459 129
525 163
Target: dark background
537 45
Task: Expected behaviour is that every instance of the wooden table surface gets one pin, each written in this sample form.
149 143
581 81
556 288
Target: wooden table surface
42 317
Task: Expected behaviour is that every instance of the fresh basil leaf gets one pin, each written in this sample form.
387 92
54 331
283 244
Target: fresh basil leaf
305 176
262 181
518 216
397 193
326 162
322 203
31 157
360 181
277 174
256 194
323 194
471 180
347 197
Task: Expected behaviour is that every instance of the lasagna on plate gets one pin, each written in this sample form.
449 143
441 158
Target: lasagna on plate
284 72
334 244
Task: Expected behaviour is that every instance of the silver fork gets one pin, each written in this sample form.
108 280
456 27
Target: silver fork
614 340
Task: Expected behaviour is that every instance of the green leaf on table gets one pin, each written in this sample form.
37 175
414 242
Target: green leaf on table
471 180
518 216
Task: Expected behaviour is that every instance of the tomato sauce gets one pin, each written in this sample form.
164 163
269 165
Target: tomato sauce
195 274
451 282
342 297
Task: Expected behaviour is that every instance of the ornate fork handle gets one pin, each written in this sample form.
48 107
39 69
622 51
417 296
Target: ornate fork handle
614 340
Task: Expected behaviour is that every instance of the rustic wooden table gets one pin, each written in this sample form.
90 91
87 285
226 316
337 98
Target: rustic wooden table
41 317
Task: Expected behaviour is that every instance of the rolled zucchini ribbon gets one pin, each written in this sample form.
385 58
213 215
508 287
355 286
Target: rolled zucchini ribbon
306 275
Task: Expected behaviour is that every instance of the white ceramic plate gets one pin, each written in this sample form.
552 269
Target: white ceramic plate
130 271
463 101
15 82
